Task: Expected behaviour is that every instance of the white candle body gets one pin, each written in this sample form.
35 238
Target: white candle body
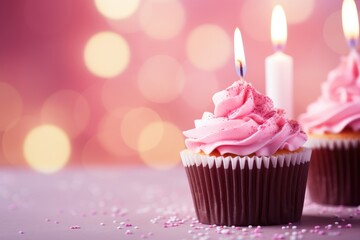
279 81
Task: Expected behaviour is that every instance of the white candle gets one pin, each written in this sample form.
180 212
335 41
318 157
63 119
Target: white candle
279 66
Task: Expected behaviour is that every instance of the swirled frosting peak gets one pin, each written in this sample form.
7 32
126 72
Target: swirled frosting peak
338 107
244 122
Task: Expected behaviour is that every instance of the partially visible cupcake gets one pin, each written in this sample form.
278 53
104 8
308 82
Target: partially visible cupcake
333 125
245 162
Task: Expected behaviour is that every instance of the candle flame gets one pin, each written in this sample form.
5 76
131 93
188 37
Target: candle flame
278 28
240 64
350 22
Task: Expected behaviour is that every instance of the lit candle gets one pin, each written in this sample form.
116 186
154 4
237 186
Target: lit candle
240 65
350 23
279 66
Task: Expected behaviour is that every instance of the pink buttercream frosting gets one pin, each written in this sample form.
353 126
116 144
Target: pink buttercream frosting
244 122
338 107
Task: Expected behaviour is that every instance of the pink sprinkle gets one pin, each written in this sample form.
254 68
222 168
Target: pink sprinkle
224 231
143 236
339 226
21 232
118 227
348 225
136 227
56 222
102 224
47 220
75 227
128 232
317 227
321 233
257 230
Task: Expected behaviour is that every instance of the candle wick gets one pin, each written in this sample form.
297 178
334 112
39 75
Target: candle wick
352 42
279 47
240 68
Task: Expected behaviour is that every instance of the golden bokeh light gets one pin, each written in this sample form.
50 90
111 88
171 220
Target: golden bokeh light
200 47
67 109
134 121
109 133
106 54
161 79
150 136
162 19
115 9
11 105
165 154
47 148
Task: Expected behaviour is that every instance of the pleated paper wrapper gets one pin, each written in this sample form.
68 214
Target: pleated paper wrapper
334 173
242 191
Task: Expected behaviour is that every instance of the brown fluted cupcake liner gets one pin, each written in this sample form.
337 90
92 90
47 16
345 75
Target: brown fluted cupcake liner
243 191
334 173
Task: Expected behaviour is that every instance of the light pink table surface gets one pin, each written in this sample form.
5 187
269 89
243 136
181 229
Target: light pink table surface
135 203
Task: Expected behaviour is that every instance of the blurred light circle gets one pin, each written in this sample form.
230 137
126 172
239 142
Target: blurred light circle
133 123
109 133
296 11
13 139
161 79
150 136
47 148
67 109
208 47
47 16
11 105
117 9
252 13
333 33
165 154
106 54
162 19
199 89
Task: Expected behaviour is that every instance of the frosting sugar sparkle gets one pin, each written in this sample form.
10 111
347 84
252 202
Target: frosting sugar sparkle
244 122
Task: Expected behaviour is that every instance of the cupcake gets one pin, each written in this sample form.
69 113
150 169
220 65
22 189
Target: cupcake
245 162
333 125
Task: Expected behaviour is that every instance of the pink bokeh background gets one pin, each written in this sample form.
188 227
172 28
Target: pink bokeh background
175 55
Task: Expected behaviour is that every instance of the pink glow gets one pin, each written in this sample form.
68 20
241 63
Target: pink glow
42 54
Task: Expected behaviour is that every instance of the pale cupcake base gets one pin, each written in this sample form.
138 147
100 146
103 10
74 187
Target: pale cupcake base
243 191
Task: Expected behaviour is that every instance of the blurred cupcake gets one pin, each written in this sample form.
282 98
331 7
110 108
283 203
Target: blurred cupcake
333 125
245 162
